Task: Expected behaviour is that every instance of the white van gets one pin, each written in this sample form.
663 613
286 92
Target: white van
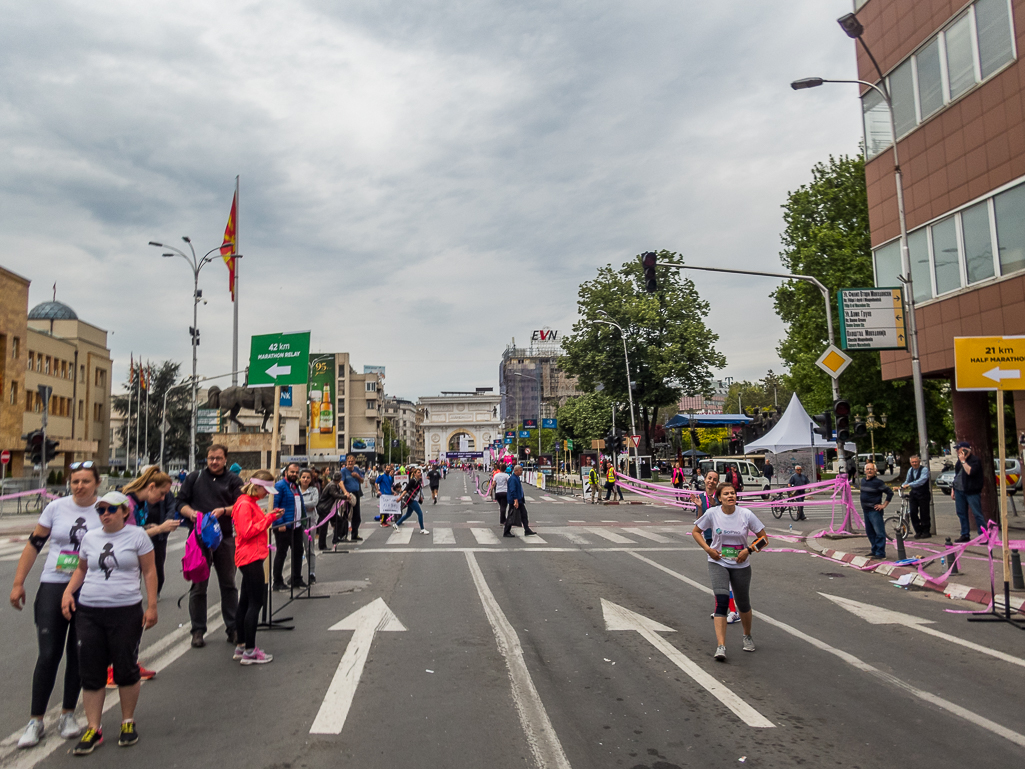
750 475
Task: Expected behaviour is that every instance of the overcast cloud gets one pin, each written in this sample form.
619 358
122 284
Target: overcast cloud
421 181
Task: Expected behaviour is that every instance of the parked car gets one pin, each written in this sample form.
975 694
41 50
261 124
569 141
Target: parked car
877 459
945 480
750 475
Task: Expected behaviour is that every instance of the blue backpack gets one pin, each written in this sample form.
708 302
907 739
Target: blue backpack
210 531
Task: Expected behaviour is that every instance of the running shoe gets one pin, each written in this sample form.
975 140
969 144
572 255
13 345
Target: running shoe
33 734
239 651
720 653
129 735
732 617
749 644
68 726
91 740
424 531
145 674
256 657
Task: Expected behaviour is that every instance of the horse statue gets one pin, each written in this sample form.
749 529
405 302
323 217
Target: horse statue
233 399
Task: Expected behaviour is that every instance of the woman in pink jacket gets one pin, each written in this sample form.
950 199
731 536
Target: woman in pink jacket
251 550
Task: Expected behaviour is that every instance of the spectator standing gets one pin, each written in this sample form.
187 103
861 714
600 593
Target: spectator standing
501 481
872 491
768 471
517 503
594 482
384 483
678 476
610 482
333 499
288 533
213 490
917 485
352 482
967 491
153 506
799 479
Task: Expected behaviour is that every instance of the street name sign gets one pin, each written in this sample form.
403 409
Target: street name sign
279 359
872 319
989 362
833 361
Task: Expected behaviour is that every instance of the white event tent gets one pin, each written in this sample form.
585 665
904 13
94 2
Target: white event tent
793 431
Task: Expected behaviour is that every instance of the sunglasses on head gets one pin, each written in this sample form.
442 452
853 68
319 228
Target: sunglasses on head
87 465
104 509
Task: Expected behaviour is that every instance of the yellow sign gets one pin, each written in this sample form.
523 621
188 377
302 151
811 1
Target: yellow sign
833 361
989 362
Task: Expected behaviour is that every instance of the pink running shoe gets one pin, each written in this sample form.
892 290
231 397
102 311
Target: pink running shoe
256 657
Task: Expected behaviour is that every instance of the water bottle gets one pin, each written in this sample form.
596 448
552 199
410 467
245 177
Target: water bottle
943 561
791 528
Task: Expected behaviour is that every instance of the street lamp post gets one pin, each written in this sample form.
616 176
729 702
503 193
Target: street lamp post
197 264
629 387
873 424
163 422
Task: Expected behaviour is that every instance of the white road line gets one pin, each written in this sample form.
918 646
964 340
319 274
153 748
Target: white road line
367 531
485 537
850 659
576 521
445 499
610 521
639 532
539 549
534 540
611 536
444 536
541 737
575 538
400 536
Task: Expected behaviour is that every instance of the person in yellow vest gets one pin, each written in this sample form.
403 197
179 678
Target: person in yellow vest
610 482
595 483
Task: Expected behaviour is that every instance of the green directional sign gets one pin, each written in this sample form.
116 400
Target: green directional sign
279 359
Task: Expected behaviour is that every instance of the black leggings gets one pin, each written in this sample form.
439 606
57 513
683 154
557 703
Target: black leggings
250 602
55 636
159 556
289 538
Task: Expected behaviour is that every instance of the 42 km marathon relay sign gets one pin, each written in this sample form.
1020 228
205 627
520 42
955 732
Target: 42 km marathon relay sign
279 359
872 319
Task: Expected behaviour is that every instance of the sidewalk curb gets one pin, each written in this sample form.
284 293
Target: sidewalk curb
951 590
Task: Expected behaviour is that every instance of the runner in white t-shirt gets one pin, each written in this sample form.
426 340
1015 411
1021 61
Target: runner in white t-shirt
728 564
64 522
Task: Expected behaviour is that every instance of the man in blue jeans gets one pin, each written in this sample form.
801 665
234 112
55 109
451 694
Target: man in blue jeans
872 505
967 491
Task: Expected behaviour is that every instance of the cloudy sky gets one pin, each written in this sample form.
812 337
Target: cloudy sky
421 181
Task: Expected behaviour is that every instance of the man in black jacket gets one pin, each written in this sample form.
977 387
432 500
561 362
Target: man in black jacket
872 506
967 491
213 490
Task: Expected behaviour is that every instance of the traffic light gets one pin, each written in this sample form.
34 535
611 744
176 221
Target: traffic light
648 259
51 450
695 439
842 412
194 333
34 446
860 428
824 425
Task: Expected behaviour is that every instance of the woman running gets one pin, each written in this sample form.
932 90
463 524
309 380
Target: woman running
251 550
153 506
110 615
728 560
64 522
409 497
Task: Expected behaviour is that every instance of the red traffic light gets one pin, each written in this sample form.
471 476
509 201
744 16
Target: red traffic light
648 258
842 408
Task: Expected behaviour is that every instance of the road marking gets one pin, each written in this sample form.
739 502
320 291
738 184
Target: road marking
611 536
534 540
466 499
444 537
619 618
576 521
446 499
850 659
610 521
484 536
649 535
529 499
366 622
877 615
575 538
400 536
541 737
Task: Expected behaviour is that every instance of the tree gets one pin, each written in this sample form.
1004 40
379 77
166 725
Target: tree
827 235
399 454
671 349
761 395
585 418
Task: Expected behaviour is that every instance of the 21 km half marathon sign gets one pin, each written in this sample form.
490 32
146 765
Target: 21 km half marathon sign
279 359
872 319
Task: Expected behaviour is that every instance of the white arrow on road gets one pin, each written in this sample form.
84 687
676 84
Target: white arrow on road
374 617
996 374
877 615
275 371
619 618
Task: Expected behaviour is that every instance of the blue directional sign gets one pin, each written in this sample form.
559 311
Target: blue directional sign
524 433
549 424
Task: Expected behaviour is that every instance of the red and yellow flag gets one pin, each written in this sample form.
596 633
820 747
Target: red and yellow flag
228 246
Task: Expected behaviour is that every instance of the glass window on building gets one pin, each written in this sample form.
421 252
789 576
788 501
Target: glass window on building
945 256
930 78
877 122
994 27
960 57
1010 214
902 92
978 246
918 252
888 264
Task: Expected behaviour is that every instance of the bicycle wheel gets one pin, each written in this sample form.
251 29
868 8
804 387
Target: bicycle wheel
777 510
893 525
795 512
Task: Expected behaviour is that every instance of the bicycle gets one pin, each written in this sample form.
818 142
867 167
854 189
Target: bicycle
901 522
781 505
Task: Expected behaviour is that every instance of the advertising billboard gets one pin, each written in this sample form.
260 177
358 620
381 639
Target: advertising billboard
363 446
321 416
374 370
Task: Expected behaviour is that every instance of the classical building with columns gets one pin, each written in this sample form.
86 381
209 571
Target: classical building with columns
456 423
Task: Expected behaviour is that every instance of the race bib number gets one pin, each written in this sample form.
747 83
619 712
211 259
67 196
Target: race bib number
731 552
67 562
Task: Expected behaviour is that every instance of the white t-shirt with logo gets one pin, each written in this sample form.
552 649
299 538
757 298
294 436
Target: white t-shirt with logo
501 483
113 560
729 533
68 524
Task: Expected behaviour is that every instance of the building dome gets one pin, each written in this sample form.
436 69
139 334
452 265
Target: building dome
52 311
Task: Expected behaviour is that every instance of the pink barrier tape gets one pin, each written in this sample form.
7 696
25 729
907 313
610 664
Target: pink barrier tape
334 512
29 493
782 550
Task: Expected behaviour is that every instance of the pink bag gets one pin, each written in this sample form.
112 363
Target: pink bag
195 567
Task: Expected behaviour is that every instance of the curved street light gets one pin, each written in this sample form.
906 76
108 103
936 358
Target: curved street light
629 385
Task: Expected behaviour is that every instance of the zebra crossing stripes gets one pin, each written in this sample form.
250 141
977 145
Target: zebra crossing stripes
401 536
444 537
639 532
576 539
535 540
485 537
611 536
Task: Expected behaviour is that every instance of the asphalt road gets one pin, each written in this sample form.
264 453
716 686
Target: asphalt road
499 653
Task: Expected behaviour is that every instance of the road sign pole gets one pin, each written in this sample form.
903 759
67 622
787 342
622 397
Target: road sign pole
1001 439
275 432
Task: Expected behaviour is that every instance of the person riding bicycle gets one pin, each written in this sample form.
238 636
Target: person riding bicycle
799 479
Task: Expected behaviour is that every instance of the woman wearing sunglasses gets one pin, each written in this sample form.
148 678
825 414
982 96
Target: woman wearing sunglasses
64 523
110 615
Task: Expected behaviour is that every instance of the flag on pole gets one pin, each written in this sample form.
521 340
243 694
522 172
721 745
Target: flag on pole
228 246
131 370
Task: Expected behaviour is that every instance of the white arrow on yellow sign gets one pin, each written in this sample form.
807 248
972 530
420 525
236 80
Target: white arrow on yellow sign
989 362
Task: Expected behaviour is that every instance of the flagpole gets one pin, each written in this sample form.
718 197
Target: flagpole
128 423
234 338
146 439
138 418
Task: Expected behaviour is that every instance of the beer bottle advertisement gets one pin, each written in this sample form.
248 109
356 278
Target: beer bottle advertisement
322 432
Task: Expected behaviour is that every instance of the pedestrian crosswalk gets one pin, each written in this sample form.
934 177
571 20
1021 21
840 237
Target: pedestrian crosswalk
11 550
477 534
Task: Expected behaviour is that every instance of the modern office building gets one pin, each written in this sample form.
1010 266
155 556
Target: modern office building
956 82
522 371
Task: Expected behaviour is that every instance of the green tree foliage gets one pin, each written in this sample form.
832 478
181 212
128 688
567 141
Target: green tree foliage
672 351
400 453
827 236
586 418
762 395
